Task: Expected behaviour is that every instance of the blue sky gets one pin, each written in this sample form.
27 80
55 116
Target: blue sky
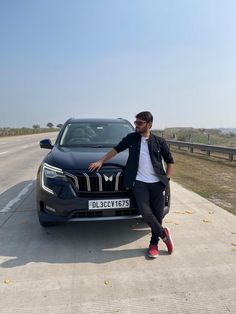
97 58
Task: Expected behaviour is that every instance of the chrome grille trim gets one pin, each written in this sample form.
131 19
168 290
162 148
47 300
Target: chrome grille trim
88 181
74 178
117 181
100 182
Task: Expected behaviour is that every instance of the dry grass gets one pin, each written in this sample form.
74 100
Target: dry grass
210 177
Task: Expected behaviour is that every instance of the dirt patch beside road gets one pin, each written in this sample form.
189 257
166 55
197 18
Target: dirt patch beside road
211 178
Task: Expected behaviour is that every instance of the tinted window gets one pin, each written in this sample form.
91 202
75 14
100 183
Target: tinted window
94 133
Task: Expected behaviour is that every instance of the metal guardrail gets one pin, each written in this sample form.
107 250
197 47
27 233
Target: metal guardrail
204 147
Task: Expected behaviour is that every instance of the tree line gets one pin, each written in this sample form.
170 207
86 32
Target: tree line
36 128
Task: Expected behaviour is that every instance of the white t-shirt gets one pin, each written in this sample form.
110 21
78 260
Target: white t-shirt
146 172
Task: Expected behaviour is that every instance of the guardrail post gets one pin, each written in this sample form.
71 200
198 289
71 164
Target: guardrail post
231 157
208 139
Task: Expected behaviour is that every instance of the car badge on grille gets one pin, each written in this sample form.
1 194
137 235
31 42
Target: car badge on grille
108 178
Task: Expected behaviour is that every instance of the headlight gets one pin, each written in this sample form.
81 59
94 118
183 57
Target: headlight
49 175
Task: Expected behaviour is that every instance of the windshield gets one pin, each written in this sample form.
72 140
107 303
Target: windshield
95 133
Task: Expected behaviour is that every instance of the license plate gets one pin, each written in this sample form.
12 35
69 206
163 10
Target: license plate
113 203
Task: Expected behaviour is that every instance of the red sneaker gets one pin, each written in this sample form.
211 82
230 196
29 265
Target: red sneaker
168 240
153 251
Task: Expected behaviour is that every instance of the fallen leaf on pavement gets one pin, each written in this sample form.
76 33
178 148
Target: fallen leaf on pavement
188 212
7 281
106 282
211 213
234 249
168 221
178 212
233 232
234 243
206 220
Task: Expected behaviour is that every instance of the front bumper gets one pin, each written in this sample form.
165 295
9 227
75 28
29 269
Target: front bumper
52 208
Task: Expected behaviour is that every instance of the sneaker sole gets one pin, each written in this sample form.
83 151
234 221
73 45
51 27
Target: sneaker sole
152 256
170 240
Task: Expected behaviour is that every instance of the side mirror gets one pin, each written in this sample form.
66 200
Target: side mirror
46 144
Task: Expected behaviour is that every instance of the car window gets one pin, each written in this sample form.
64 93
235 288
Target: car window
94 133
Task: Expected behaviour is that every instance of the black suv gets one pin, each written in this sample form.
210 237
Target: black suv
67 191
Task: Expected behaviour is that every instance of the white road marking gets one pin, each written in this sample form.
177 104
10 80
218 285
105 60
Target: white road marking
17 148
16 199
30 145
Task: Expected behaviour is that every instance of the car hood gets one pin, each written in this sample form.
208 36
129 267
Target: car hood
80 157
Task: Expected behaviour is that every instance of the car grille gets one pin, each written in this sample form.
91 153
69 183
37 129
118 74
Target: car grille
108 181
87 214
129 212
112 213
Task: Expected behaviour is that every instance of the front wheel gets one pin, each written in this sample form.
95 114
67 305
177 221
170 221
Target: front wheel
167 200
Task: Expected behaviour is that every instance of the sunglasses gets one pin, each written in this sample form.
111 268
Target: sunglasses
139 122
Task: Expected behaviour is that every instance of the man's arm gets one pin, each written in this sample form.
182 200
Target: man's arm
169 170
124 144
168 158
98 164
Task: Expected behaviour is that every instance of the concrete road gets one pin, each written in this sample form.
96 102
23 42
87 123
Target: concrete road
101 267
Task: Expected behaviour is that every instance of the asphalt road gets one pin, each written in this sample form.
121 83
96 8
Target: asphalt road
101 267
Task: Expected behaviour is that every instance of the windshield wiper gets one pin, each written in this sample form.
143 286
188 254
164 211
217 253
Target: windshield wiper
96 146
89 145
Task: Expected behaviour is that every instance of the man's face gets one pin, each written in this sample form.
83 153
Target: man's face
142 126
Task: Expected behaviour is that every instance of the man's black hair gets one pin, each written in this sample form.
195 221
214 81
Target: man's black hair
145 116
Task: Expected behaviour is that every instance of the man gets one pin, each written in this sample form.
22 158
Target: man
145 175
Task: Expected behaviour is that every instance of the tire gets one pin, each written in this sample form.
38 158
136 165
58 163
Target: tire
167 200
